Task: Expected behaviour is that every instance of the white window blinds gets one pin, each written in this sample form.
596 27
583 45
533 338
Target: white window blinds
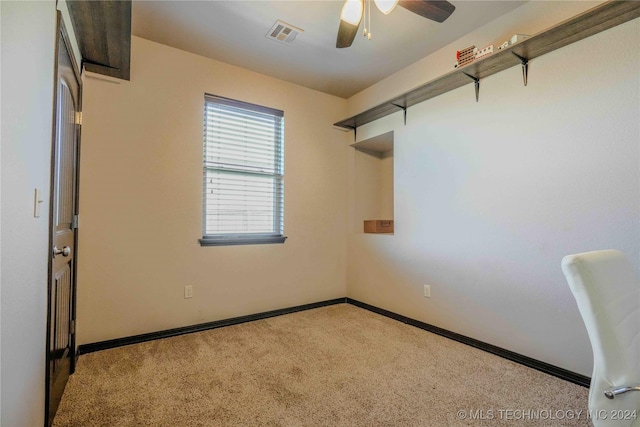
243 173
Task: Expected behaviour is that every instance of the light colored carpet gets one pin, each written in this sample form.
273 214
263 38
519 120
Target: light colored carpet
332 366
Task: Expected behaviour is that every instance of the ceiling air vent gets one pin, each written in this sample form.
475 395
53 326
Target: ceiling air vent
283 32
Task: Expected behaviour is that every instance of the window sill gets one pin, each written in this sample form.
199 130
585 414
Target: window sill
241 240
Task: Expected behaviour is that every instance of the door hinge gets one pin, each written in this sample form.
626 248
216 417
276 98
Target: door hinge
79 118
72 327
74 222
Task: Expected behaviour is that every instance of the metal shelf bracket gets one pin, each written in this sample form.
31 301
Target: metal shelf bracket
476 82
404 109
525 67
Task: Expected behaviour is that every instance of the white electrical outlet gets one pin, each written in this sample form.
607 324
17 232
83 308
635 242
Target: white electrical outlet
427 291
188 291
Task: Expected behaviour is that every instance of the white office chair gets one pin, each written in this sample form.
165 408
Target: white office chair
607 291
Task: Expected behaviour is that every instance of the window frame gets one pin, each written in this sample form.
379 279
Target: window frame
249 238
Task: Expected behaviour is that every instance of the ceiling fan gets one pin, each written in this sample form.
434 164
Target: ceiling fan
353 10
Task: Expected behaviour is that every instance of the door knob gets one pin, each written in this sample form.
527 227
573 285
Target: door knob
66 251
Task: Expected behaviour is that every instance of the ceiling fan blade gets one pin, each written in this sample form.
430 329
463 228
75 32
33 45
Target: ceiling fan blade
346 34
436 10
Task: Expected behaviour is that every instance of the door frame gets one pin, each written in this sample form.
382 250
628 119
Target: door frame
61 33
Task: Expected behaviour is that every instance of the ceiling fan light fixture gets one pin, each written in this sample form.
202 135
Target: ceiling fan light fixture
352 11
386 6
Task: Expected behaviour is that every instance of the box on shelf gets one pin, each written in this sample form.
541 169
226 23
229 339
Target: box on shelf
465 56
516 38
378 226
488 50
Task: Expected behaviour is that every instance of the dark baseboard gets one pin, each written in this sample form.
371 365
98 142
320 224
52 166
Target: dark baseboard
507 354
119 342
564 374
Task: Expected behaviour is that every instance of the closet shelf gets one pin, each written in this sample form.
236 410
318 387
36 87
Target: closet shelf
593 21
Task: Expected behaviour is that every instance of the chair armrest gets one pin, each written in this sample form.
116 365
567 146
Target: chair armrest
613 392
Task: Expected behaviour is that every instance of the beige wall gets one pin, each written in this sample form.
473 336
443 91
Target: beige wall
490 196
141 207
386 185
373 193
28 53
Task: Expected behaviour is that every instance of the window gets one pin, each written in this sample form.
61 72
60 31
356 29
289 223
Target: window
243 173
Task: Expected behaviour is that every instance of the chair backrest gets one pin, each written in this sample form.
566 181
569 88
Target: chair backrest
607 290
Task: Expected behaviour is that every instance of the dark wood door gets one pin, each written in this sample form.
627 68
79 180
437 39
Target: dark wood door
63 225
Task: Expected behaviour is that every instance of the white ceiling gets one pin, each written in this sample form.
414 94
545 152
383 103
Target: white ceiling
233 31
